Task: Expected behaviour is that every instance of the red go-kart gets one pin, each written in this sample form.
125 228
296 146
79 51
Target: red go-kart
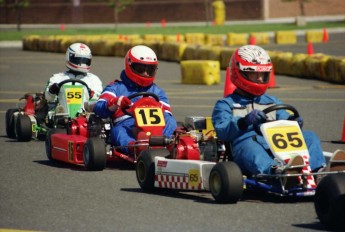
87 141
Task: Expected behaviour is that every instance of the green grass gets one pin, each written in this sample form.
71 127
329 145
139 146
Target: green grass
13 34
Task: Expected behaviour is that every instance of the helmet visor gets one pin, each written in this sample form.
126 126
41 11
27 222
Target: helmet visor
257 77
79 60
148 70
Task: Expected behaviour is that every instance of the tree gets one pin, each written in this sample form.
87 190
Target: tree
119 6
17 6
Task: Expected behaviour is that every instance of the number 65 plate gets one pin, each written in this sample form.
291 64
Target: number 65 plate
284 137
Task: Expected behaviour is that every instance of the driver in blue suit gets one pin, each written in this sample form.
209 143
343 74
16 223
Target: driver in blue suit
138 76
236 116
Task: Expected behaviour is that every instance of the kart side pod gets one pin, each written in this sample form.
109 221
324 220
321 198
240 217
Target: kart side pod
68 148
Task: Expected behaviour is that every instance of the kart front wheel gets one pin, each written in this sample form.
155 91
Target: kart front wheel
23 128
10 130
94 154
145 167
226 182
329 201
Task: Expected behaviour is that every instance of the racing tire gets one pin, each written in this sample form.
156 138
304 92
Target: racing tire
94 154
329 201
10 126
23 128
226 182
145 168
48 140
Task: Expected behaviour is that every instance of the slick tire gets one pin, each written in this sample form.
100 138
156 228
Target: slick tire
10 125
329 201
23 128
145 168
226 182
94 154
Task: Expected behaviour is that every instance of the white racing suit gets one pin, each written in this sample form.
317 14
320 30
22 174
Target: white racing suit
93 82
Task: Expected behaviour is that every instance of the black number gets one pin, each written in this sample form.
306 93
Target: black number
76 95
70 95
156 117
142 113
292 138
295 142
278 140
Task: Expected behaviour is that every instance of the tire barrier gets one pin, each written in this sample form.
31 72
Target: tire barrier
285 37
200 72
313 66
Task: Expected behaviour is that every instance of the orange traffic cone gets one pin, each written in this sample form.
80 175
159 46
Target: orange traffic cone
163 22
325 36
310 49
342 140
229 87
272 81
178 37
252 40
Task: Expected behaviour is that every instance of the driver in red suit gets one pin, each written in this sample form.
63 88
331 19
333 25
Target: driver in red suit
138 76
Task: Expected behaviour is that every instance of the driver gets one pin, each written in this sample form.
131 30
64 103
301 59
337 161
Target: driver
138 76
236 116
78 62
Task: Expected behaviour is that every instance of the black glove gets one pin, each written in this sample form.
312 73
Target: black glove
255 118
54 89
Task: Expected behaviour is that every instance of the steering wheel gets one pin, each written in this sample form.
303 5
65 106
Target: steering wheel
144 94
282 107
278 107
73 81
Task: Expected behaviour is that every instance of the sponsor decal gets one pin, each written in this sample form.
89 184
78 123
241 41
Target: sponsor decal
162 163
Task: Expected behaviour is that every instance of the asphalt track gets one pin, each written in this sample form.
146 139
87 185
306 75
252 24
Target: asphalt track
36 194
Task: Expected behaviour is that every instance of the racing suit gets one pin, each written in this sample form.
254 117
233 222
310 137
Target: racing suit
249 149
93 82
121 134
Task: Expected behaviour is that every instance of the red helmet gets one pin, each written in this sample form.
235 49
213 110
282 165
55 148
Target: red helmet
141 65
250 58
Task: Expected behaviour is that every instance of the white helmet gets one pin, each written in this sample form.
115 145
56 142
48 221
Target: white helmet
78 57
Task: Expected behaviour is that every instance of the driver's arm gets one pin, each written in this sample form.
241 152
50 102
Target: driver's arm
55 79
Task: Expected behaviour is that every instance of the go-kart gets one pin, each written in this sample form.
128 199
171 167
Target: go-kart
87 141
26 122
223 178
34 119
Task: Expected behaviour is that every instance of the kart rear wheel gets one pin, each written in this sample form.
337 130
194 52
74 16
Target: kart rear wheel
329 201
10 130
48 141
94 154
226 182
23 128
145 167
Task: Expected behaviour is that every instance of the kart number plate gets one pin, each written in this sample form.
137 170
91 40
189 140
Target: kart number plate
285 138
74 95
149 116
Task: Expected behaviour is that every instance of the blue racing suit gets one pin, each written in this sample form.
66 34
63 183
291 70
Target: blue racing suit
249 149
121 134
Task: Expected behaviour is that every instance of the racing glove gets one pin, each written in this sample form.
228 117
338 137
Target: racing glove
118 102
299 120
54 89
255 118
